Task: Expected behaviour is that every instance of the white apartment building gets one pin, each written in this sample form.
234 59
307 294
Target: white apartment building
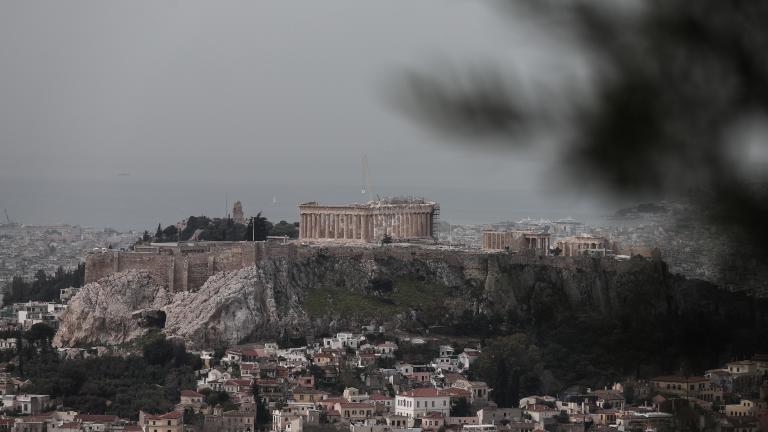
418 402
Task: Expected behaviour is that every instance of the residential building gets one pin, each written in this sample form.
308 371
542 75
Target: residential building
168 422
420 401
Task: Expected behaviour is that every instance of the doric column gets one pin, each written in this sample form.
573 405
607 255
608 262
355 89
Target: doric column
325 225
301 226
409 224
335 225
369 230
355 230
359 225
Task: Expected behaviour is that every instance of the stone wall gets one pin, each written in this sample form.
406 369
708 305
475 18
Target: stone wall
184 268
188 269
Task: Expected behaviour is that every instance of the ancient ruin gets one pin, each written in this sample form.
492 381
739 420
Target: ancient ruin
517 240
369 222
583 244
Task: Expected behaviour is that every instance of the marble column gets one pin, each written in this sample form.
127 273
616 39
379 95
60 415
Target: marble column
359 225
347 228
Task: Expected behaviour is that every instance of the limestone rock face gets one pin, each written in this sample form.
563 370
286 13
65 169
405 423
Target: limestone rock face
333 290
102 312
232 306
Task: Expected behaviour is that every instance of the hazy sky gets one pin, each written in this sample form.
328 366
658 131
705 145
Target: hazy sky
254 99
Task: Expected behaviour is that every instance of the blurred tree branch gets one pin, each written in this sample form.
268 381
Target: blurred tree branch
672 81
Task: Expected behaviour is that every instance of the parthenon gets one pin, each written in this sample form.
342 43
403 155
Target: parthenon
368 222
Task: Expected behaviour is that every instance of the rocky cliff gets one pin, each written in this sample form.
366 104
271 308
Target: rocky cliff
329 289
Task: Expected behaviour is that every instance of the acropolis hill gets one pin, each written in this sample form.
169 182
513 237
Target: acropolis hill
210 294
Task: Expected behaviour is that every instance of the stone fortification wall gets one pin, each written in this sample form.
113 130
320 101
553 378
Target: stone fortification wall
187 269
100 265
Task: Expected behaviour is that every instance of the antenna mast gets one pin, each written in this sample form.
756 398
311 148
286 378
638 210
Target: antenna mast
366 178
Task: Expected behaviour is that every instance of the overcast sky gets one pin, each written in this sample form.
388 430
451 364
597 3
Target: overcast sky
126 114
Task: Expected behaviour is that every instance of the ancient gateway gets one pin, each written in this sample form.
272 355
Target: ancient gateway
516 240
369 222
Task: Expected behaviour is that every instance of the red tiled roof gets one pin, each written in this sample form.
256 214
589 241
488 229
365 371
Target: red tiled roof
357 405
380 397
456 392
168 415
96 418
679 379
70 425
251 352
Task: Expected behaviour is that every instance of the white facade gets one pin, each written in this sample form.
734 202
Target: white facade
418 402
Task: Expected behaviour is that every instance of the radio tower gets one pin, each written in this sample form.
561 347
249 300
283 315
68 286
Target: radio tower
366 179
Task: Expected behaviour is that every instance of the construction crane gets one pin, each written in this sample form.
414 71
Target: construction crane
366 178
